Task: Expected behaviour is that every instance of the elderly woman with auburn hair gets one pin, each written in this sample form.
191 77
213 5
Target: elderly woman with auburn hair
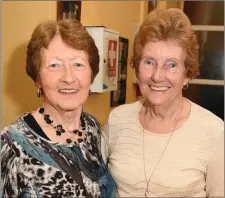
54 151
165 145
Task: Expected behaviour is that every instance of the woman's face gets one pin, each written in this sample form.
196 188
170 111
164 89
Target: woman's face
162 73
65 75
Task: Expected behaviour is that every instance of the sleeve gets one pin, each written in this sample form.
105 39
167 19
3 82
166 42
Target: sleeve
215 171
9 187
105 142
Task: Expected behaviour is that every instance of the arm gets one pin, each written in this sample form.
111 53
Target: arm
105 142
8 168
215 171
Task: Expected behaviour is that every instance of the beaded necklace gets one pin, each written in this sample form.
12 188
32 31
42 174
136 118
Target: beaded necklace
60 130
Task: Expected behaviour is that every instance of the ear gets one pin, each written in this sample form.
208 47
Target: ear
186 81
38 82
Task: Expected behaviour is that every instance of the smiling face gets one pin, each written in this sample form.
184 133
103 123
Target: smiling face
162 73
65 75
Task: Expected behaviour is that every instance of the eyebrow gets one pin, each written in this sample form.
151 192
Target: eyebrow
148 57
72 58
172 59
167 59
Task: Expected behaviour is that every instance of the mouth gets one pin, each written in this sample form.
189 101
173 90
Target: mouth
68 91
159 88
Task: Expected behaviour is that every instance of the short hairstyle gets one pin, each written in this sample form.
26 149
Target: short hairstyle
72 33
163 25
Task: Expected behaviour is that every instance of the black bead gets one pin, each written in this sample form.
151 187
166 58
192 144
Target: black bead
63 131
58 133
48 121
41 110
80 140
46 116
75 131
80 133
59 126
68 140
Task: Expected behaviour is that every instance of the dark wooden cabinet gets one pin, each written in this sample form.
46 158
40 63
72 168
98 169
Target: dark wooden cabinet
69 9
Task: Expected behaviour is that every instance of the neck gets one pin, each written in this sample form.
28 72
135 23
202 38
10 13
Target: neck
69 119
164 112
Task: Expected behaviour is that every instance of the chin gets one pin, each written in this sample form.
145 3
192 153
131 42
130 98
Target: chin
69 107
157 101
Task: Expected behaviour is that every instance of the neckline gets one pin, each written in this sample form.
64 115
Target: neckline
32 130
32 123
163 134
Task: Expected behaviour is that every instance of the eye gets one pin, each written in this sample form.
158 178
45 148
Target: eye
171 65
78 65
149 62
54 65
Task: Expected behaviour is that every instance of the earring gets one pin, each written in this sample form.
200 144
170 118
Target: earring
90 92
185 87
39 92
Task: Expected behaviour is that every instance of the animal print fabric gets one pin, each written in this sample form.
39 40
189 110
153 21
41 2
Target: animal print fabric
33 167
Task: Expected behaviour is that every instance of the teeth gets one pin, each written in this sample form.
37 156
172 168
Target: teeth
68 90
159 88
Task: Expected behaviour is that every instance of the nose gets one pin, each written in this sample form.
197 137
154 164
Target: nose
158 74
68 75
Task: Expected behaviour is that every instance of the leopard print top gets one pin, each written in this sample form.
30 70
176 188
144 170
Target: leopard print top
33 166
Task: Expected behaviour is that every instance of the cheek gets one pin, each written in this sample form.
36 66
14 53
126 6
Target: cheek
143 86
178 82
143 75
49 81
85 79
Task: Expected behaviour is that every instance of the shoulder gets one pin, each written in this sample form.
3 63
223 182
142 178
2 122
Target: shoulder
210 124
15 125
203 115
12 137
92 121
14 132
126 111
18 123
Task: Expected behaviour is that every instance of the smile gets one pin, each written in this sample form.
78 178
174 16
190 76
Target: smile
159 88
68 90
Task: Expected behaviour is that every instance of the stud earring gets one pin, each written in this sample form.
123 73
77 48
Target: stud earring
185 87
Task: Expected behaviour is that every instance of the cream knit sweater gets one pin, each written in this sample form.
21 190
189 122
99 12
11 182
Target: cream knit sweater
192 165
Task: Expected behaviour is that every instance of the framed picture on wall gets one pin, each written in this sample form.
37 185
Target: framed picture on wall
118 97
68 10
152 5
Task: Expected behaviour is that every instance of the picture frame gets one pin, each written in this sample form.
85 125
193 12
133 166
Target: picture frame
68 10
152 5
118 97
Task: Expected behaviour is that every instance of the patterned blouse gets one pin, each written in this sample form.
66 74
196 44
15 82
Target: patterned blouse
33 166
